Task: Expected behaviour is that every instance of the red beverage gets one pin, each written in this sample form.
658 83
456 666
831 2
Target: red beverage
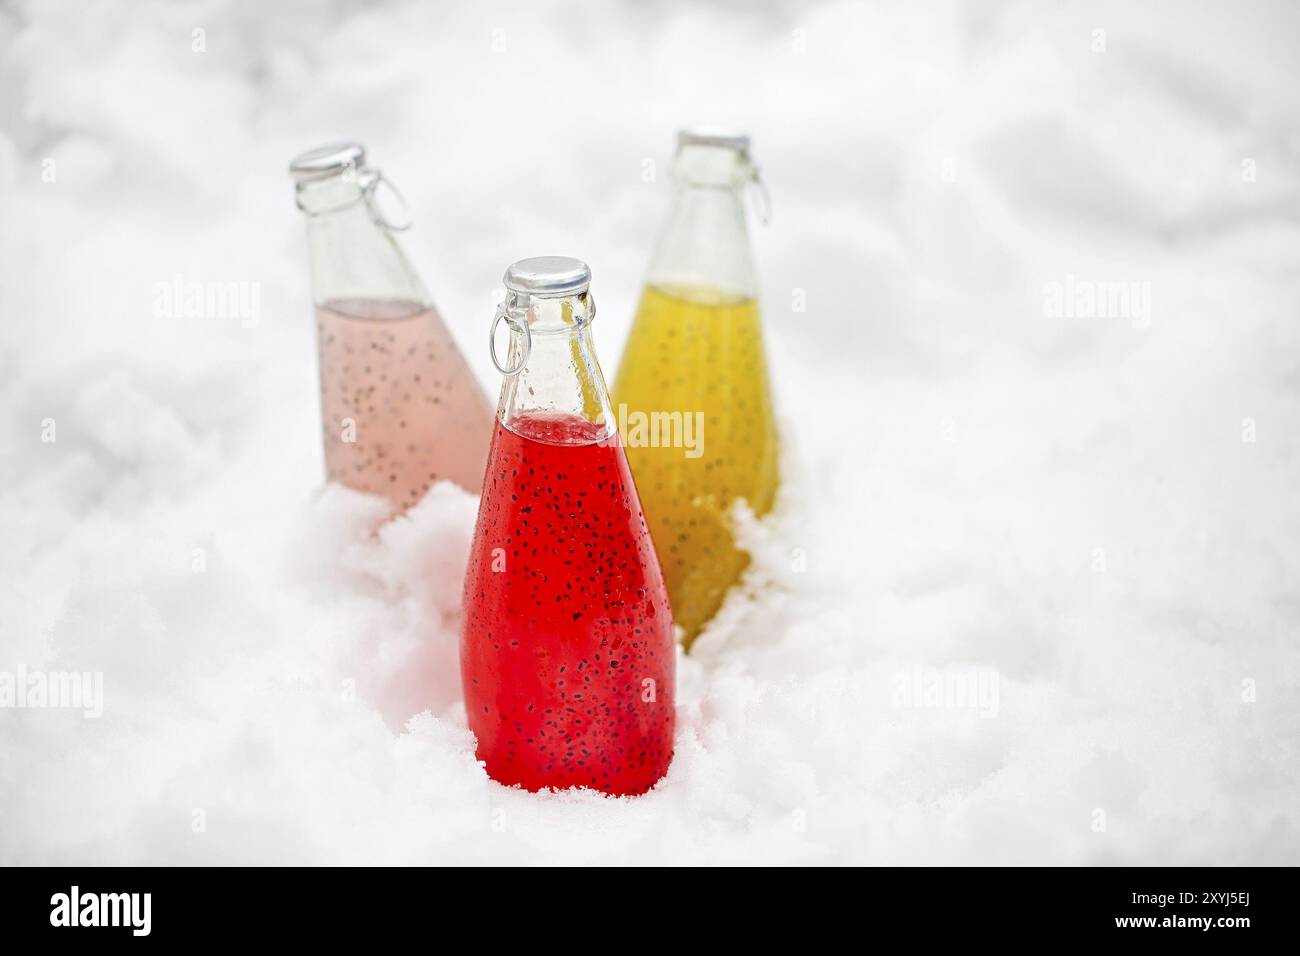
567 652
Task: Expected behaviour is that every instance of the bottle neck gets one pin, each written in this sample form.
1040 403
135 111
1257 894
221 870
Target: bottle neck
352 256
704 245
559 394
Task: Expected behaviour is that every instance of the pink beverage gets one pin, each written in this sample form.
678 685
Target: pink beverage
400 409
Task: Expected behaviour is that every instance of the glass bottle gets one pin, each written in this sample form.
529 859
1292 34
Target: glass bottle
567 648
694 400
400 409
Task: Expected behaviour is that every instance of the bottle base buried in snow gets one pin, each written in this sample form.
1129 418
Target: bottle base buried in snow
567 653
400 409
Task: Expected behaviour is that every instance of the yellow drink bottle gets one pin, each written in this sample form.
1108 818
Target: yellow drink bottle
693 398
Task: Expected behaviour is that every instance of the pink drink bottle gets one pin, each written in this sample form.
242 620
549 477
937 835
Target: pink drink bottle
400 408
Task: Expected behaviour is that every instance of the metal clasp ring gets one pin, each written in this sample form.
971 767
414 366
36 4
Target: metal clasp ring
762 199
504 313
591 310
370 181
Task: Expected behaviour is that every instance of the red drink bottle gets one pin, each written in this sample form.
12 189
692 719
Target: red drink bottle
567 649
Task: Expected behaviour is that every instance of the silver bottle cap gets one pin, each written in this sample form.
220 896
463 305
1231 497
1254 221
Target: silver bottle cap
713 136
548 276
328 160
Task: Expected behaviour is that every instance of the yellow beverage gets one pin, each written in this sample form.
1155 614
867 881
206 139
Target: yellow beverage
697 350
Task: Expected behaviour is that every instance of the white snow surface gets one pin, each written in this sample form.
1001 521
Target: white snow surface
1097 516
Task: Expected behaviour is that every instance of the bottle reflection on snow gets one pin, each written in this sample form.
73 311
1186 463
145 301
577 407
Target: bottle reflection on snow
567 650
400 409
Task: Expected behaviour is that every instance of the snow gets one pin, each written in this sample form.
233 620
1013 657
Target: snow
1089 523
